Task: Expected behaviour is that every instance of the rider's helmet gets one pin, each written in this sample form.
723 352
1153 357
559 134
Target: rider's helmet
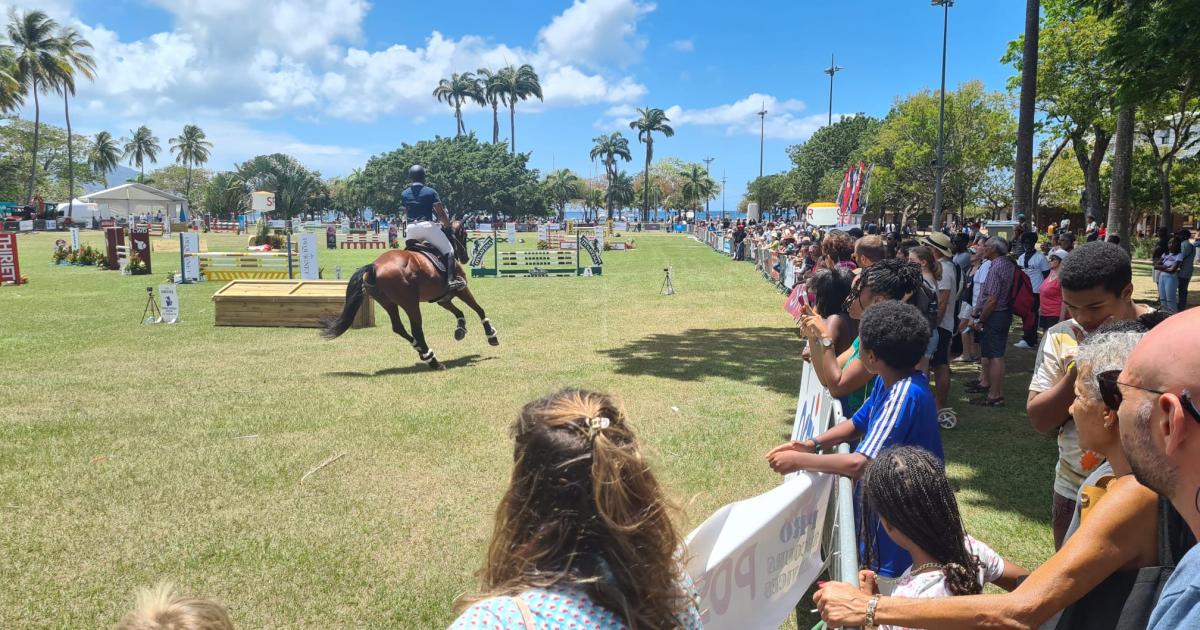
416 173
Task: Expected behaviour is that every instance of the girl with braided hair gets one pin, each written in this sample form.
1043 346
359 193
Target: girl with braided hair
906 491
583 536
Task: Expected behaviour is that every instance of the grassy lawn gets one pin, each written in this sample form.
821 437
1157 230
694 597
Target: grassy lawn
133 454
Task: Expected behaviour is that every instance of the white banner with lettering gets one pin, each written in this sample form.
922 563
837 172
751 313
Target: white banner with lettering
753 560
308 257
169 296
189 243
511 229
74 239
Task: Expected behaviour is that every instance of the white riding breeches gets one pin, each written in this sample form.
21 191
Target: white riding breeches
431 233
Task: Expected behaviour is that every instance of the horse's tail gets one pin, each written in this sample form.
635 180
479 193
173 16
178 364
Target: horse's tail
335 326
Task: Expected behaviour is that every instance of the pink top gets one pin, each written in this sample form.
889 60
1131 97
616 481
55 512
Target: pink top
1051 296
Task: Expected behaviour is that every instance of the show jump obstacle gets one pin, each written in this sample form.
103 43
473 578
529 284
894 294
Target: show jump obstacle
536 263
247 266
293 303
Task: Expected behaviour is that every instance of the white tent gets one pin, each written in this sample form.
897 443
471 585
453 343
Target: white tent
137 199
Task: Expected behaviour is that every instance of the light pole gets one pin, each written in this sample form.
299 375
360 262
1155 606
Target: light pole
707 167
762 126
832 70
722 194
940 165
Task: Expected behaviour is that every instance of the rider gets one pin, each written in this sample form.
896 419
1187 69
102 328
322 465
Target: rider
423 204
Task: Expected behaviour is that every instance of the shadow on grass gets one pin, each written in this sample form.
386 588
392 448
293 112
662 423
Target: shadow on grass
768 357
1005 464
416 368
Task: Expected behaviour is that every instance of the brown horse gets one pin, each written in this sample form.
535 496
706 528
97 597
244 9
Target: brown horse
402 279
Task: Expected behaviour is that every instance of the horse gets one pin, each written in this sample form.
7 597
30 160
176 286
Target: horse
402 279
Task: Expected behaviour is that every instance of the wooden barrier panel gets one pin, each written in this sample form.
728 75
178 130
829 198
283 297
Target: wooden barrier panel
291 303
173 246
537 262
363 241
224 226
238 266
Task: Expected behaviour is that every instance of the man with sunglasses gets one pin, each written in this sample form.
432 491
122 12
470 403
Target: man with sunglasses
1097 287
1160 432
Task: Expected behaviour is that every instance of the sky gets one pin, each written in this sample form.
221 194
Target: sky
333 82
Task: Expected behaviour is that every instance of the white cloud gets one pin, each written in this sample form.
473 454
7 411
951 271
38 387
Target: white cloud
683 45
783 120
568 86
592 32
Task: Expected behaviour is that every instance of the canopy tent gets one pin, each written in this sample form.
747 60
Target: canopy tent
138 199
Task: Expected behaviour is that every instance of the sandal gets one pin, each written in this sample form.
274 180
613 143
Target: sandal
984 401
976 389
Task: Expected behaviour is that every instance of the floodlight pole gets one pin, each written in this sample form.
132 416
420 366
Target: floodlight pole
707 164
940 165
832 70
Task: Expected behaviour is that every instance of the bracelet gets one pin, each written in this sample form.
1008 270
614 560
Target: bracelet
817 448
871 605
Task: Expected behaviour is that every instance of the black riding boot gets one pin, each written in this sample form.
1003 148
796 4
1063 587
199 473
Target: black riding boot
453 283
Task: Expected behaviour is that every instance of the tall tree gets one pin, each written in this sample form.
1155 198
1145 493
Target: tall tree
105 155
141 145
1023 177
456 91
620 193
517 84
38 61
11 96
608 149
491 86
830 149
1170 126
225 196
697 186
651 120
563 187
73 57
294 185
1074 87
191 149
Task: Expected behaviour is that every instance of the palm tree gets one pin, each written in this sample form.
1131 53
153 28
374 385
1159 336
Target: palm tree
455 91
697 185
517 84
491 87
141 146
563 186
37 61
610 148
73 57
11 96
621 191
652 119
190 149
105 155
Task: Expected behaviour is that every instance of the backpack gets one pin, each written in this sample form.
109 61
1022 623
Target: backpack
1020 299
926 301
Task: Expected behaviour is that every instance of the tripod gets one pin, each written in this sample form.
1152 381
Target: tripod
151 314
668 288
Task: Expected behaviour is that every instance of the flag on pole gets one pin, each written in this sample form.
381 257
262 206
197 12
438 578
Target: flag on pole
866 185
844 193
858 183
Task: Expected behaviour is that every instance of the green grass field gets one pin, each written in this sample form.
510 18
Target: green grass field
131 454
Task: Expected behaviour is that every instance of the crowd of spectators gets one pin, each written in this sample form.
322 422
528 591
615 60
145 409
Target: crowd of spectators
584 533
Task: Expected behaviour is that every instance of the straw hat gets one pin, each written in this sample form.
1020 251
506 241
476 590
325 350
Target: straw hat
940 242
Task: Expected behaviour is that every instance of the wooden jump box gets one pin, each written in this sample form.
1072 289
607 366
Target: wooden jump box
293 303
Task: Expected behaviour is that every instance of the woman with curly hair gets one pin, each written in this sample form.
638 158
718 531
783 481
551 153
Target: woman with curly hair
583 535
838 249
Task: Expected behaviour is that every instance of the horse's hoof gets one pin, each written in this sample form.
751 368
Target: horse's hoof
460 334
437 366
493 341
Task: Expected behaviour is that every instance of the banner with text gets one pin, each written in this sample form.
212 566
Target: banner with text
308 257
189 243
753 560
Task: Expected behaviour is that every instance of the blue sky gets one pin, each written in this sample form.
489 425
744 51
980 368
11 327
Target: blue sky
336 81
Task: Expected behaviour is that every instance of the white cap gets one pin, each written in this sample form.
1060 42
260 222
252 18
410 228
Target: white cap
1059 253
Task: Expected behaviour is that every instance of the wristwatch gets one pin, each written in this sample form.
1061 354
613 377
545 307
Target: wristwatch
869 620
826 342
816 446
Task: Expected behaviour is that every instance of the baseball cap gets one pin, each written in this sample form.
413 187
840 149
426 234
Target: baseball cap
1059 253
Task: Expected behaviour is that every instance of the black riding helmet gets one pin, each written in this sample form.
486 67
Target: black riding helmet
416 173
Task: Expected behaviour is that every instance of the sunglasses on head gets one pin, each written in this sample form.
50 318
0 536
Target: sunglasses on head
1110 392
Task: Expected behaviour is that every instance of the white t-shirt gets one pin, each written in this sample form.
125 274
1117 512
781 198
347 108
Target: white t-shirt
931 584
979 278
949 282
1038 266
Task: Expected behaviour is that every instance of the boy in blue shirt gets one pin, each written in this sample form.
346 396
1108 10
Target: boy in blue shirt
900 411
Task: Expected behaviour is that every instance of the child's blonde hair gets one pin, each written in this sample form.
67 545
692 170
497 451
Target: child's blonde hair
160 608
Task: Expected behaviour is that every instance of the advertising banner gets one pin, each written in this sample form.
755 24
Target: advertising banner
753 560
481 247
189 243
74 239
139 244
511 229
169 297
308 257
543 233
10 265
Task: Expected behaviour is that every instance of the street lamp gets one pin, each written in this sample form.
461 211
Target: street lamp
940 165
832 70
762 125
722 194
707 163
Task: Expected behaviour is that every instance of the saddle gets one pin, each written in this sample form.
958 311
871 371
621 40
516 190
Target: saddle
429 251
